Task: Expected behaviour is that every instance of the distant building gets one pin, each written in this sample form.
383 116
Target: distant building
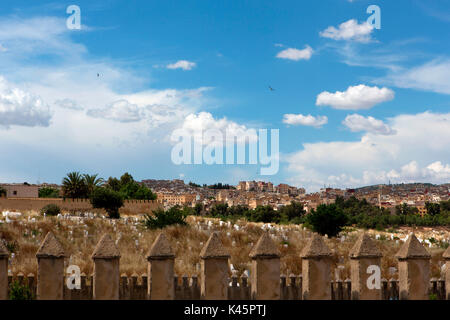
172 199
21 190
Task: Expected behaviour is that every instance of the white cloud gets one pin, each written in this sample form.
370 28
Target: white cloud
195 125
417 152
121 111
68 82
18 107
68 104
356 123
308 120
182 64
433 76
296 54
355 97
349 30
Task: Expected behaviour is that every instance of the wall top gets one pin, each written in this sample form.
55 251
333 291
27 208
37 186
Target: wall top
316 248
161 248
50 248
214 248
106 249
264 248
446 254
3 251
365 248
412 249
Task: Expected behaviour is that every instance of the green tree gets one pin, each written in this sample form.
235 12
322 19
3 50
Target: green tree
108 199
92 181
113 183
265 214
2 192
198 209
161 218
73 186
292 212
327 219
48 192
433 209
219 210
129 188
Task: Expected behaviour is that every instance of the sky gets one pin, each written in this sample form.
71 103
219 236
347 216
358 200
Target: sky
357 100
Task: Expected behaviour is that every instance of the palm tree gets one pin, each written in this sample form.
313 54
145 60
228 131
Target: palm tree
74 186
91 181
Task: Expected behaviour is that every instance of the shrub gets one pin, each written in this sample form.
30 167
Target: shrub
51 210
20 291
265 214
162 219
108 199
2 192
327 219
48 192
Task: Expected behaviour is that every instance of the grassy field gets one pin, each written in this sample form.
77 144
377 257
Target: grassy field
79 235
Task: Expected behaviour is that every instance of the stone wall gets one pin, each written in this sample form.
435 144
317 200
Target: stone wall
108 284
36 204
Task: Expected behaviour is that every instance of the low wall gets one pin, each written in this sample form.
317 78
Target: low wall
36 204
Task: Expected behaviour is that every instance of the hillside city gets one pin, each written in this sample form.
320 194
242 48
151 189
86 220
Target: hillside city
259 193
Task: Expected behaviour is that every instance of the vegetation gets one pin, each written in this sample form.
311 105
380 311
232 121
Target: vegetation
2 192
327 219
74 186
91 182
107 199
161 218
292 213
19 291
51 210
195 185
48 192
129 188
219 186
330 219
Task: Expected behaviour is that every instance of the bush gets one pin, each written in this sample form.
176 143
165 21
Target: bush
327 219
48 192
51 210
20 291
2 192
108 199
265 214
162 219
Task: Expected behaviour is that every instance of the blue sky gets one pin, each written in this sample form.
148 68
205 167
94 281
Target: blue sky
354 105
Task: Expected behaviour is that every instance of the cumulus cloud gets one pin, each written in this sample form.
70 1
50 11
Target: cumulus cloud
308 120
296 54
67 71
349 30
18 107
355 97
195 125
356 122
409 155
182 64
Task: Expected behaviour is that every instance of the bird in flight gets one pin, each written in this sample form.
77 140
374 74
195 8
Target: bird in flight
271 89
98 75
